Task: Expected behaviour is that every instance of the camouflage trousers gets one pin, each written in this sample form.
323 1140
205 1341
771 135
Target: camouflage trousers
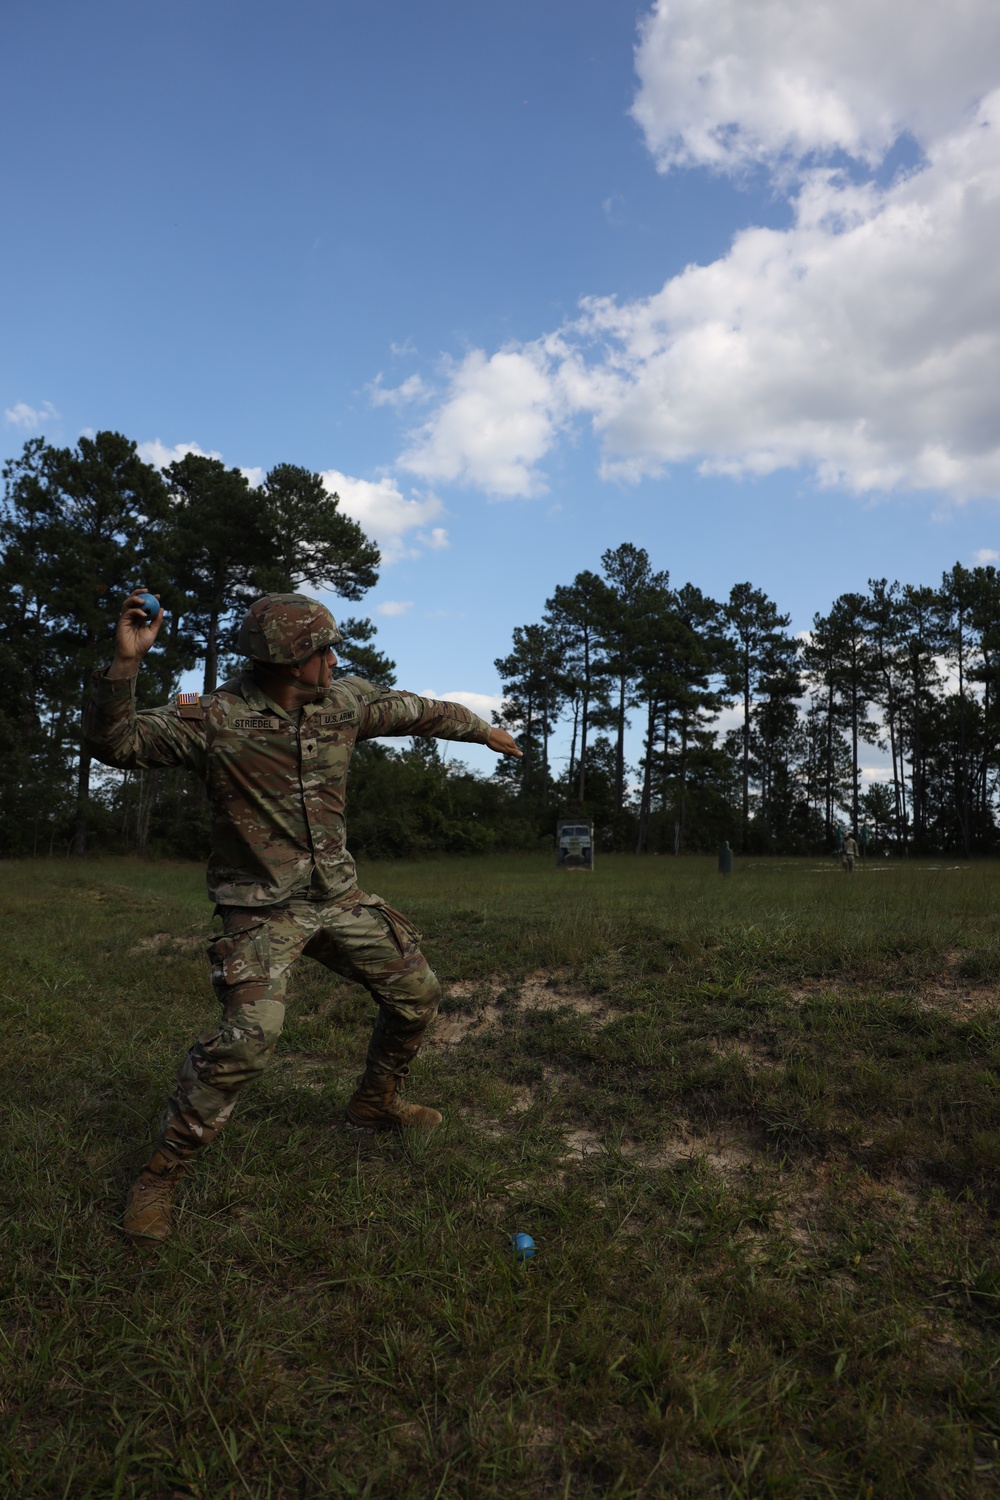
361 938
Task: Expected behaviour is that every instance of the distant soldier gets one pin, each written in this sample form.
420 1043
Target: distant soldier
850 853
273 747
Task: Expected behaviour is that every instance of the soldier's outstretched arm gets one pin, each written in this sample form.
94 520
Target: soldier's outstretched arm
407 713
114 731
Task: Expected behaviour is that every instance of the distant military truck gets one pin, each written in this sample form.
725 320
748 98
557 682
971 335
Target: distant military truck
575 845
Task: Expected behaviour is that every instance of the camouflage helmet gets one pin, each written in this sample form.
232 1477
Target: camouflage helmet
283 629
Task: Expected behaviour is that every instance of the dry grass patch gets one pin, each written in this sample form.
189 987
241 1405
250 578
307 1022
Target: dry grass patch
725 1152
757 1056
542 990
814 1201
948 990
166 945
581 1142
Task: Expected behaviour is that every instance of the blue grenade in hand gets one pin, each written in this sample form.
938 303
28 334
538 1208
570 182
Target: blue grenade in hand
151 605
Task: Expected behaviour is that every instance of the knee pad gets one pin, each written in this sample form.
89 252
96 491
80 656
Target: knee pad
241 1048
414 1000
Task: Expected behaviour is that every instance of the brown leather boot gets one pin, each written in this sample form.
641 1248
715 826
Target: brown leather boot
147 1219
377 1104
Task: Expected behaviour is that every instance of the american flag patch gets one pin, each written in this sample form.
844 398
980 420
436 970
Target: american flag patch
189 706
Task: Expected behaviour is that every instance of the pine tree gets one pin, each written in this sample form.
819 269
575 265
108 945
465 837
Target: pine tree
756 631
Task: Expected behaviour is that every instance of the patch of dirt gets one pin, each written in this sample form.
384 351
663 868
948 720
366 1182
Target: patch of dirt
756 1056
947 990
962 1001
728 1154
165 945
125 895
799 1212
454 1026
406 1432
464 989
534 1438
583 1142
544 989
951 990
552 991
942 1348
808 1191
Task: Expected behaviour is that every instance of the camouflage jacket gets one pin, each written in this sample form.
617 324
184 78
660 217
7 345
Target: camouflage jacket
275 780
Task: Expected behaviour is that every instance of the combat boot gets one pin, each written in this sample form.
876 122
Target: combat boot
377 1104
147 1220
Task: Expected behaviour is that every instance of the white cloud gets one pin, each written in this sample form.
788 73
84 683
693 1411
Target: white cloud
483 704
412 389
613 208
385 514
500 416
30 418
391 607
159 455
862 342
985 556
728 83
728 718
254 476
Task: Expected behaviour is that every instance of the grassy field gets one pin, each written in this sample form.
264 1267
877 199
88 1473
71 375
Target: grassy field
753 1125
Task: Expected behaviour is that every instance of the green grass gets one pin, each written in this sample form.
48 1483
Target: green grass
753 1125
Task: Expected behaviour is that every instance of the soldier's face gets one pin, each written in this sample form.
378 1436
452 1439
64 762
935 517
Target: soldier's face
316 671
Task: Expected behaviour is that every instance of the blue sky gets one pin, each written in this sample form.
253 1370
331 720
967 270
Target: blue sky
526 280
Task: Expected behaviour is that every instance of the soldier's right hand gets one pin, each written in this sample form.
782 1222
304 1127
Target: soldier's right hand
135 633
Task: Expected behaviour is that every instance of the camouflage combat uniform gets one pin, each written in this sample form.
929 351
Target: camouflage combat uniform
279 871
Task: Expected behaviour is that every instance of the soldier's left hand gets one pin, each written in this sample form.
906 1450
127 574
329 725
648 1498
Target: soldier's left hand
501 743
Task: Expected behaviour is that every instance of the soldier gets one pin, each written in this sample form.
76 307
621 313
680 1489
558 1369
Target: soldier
850 853
273 748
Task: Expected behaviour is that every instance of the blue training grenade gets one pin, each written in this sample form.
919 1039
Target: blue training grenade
151 605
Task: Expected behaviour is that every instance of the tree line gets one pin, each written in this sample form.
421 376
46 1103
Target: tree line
909 669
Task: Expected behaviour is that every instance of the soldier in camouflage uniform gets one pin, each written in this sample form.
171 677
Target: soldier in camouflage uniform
273 747
850 853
